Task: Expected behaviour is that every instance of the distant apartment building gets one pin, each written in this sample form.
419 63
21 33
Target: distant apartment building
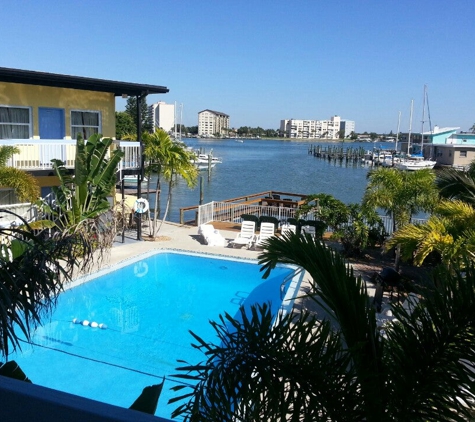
310 129
211 123
162 116
348 126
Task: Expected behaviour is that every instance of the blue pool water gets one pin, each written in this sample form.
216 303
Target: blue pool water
149 306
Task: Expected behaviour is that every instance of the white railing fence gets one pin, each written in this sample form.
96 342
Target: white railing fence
205 213
227 211
27 211
36 154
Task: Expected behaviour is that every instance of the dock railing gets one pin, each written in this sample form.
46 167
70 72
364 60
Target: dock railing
225 211
239 205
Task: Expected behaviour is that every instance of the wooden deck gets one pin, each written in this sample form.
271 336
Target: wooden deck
226 225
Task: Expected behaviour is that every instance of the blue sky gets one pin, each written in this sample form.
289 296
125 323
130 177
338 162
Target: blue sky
261 61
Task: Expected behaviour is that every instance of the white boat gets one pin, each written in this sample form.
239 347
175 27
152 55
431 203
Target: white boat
131 179
203 162
413 162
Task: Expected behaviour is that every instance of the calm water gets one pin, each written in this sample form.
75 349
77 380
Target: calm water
260 165
148 307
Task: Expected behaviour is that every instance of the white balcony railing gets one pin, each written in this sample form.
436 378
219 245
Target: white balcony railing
36 154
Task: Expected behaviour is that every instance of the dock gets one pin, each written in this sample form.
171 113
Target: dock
276 203
339 153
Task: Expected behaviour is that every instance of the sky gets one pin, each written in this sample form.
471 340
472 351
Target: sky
262 61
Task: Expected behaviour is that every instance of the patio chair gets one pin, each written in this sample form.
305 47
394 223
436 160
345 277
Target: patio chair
211 236
390 279
246 236
267 231
269 219
287 229
378 297
251 217
315 228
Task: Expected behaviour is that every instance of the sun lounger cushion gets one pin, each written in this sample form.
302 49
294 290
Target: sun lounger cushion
211 236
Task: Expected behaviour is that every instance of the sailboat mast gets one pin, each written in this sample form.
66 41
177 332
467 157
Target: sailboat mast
397 133
410 128
174 119
181 118
423 116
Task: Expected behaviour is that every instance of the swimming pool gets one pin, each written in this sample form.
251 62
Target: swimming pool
146 307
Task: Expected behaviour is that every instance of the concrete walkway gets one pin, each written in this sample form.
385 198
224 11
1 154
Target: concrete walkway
173 236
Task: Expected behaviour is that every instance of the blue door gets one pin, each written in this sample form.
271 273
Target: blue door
51 122
51 125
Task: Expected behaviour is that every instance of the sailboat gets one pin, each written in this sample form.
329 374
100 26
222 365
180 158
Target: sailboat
416 161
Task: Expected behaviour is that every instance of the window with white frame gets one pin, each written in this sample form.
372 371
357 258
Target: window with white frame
15 122
85 123
463 153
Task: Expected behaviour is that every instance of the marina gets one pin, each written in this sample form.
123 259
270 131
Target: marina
265 165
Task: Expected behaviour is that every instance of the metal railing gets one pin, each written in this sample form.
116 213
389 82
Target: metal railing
27 211
288 279
225 211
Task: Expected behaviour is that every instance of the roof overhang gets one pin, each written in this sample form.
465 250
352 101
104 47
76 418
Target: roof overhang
30 77
455 145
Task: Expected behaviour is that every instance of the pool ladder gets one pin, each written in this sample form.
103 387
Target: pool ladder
287 279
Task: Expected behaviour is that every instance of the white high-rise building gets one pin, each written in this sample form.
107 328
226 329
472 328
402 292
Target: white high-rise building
162 116
310 129
348 126
211 123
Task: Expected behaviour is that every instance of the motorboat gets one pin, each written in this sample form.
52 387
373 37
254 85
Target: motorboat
415 162
205 161
131 180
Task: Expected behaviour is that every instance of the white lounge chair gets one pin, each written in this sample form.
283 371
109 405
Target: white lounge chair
211 236
267 230
288 228
246 236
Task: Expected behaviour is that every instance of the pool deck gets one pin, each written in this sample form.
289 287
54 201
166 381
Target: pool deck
174 236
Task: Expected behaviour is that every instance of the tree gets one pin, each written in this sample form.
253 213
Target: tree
373 136
192 130
33 270
338 366
169 159
341 134
24 184
131 109
472 129
124 124
81 198
401 194
448 233
457 184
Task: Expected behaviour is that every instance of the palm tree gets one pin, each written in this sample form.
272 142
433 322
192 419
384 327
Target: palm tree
169 159
457 184
449 233
33 271
401 194
24 184
179 163
339 366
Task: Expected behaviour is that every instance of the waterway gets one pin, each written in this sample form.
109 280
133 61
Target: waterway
254 166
